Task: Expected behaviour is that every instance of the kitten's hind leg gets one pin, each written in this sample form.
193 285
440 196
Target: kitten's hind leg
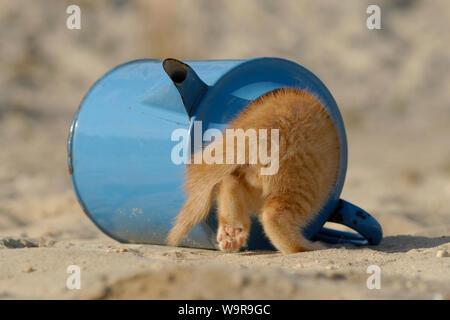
281 219
234 222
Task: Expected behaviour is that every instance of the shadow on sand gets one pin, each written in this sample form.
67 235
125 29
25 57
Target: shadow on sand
404 243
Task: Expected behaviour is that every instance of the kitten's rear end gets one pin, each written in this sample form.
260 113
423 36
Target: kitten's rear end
284 202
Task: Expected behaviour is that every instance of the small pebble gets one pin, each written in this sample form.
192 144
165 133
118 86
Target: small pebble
336 276
46 243
442 254
18 243
319 275
28 270
122 250
331 275
176 254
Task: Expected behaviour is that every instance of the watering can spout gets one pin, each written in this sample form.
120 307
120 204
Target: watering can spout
188 83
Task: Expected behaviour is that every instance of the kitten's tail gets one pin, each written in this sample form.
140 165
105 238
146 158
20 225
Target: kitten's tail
201 181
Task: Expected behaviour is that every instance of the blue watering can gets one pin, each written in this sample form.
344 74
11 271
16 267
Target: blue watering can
119 146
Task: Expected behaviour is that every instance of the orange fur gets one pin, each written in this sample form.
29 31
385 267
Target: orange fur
284 202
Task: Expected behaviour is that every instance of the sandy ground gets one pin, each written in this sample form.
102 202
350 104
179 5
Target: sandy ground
392 87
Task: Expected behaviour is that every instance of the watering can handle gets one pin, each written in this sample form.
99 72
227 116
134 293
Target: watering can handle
369 230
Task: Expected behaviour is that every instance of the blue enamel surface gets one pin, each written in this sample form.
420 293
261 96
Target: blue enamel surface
120 142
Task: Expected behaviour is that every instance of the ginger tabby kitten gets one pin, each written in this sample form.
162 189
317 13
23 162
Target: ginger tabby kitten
284 202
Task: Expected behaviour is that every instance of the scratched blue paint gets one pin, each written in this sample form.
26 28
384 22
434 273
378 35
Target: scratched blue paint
120 146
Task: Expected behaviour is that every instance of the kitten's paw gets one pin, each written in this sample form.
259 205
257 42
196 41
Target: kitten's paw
231 239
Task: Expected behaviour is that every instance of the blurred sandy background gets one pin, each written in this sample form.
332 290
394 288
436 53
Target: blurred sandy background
392 86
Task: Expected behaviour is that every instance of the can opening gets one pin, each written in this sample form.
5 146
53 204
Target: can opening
176 70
